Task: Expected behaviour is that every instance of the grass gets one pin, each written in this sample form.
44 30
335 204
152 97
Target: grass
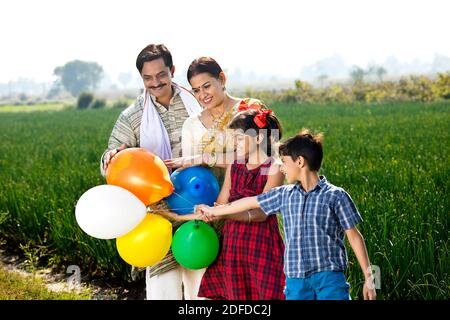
391 158
33 108
14 286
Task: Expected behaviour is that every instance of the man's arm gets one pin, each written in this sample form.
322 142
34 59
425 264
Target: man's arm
122 136
358 245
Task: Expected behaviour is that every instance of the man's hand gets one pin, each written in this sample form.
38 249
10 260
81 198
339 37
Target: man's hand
109 155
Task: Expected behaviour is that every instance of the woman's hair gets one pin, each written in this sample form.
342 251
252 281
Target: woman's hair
255 122
204 65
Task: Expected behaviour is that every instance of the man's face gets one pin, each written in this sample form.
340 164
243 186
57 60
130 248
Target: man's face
290 168
157 78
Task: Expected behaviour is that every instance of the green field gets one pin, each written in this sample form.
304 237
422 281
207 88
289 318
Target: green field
393 159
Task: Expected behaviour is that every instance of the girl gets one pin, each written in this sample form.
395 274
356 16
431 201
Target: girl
250 263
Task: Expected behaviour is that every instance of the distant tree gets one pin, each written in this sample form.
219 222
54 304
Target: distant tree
380 72
357 74
322 79
85 100
125 78
78 76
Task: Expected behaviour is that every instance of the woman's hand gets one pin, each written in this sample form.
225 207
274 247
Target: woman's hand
183 162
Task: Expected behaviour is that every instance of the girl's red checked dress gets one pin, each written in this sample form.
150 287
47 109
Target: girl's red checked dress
250 263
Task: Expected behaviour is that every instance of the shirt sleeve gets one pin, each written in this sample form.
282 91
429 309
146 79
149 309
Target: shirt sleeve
346 211
270 201
122 133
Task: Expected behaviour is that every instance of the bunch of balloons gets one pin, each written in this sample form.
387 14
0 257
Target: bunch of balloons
136 178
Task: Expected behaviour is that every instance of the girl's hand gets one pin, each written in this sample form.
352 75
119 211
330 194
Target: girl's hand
169 215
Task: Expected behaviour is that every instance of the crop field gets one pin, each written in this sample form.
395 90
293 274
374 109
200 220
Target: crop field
393 159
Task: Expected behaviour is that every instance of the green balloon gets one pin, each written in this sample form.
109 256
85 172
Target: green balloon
195 245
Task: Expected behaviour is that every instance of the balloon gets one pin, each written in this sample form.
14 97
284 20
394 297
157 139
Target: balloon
146 244
142 173
108 212
194 185
195 245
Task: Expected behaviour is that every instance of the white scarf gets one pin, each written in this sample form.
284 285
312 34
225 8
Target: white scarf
154 136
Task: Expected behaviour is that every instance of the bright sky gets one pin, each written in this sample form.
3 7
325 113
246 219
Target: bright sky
277 36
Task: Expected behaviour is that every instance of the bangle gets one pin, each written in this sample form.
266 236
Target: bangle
249 216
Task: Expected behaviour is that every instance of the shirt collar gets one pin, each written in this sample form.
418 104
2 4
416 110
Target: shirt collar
176 92
320 185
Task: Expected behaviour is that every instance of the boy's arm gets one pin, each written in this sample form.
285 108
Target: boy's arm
275 179
358 245
240 205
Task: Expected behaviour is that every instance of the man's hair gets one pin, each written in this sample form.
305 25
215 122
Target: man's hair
307 145
204 65
153 52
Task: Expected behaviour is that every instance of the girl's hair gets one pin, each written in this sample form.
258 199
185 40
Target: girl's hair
252 123
204 65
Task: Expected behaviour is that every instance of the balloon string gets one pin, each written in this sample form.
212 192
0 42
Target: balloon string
187 200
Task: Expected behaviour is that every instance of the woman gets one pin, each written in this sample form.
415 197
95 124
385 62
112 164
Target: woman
206 140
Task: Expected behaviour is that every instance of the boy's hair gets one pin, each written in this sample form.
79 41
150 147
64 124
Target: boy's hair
153 52
307 145
204 65
271 131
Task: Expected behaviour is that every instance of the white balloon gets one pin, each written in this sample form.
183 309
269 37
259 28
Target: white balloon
108 212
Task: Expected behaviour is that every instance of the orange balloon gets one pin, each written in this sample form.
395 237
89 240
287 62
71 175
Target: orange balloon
142 173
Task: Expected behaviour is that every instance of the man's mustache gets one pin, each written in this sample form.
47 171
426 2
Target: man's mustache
157 87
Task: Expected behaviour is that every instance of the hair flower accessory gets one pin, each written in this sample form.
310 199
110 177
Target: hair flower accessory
243 106
261 117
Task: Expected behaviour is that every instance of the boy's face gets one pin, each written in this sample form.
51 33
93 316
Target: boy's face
291 169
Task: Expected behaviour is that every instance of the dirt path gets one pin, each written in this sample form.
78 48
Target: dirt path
58 282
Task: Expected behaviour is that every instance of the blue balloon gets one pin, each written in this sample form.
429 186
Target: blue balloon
194 185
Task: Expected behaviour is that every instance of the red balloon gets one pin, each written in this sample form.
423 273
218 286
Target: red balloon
142 173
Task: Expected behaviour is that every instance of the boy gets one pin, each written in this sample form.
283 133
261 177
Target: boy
316 217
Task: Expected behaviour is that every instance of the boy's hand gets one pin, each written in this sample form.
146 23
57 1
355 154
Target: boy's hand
369 292
206 212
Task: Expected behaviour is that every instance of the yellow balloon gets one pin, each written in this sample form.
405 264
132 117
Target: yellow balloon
146 244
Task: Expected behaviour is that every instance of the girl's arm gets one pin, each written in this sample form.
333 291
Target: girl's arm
358 245
224 194
172 216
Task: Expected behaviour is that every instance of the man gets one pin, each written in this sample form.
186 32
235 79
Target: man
154 122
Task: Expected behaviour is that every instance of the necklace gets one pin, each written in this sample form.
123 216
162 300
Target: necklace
216 118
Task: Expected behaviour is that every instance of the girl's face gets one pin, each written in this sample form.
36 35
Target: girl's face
244 144
208 90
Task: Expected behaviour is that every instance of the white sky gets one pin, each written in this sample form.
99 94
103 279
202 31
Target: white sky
277 36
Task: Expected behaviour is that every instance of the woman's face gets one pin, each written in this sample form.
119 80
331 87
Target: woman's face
208 90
